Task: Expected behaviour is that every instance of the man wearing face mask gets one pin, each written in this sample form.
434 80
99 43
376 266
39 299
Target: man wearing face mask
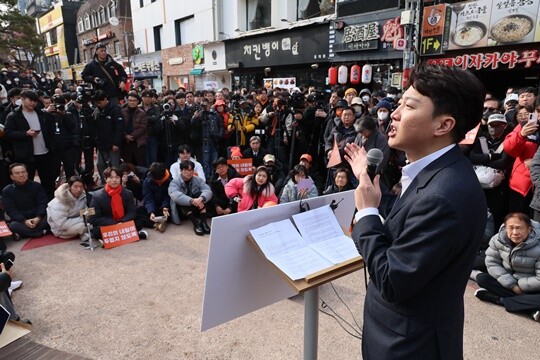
365 95
383 115
494 156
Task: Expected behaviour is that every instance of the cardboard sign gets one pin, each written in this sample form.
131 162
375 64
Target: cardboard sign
119 234
335 156
4 229
243 166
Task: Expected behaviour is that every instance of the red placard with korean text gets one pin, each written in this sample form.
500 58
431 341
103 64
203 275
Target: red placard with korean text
4 229
243 166
119 234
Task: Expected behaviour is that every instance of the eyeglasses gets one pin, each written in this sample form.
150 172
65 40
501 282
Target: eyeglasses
490 109
523 115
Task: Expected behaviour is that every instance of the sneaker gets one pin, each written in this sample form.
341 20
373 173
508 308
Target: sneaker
143 235
536 316
14 286
205 227
485 295
16 237
161 226
473 275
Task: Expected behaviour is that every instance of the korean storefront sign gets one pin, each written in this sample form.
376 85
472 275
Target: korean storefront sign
492 60
483 23
435 28
366 36
146 65
294 46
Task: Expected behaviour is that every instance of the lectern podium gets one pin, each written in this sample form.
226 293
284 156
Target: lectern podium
239 280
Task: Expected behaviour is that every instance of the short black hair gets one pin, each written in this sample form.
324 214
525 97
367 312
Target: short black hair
187 164
157 170
220 161
184 147
453 91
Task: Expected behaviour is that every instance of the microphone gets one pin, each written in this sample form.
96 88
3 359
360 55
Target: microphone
374 158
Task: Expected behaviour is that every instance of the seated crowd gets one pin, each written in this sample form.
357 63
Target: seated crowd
158 165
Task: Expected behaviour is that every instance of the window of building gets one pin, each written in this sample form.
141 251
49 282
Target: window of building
141 3
95 22
112 9
87 24
85 55
157 37
117 49
181 29
259 14
53 36
102 17
80 25
312 8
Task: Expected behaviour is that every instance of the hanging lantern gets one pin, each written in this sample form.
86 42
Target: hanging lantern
342 74
355 74
332 75
367 73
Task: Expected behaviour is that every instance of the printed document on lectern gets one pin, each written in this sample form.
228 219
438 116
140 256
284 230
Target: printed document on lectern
321 245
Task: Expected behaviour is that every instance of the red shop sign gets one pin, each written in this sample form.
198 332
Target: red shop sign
491 60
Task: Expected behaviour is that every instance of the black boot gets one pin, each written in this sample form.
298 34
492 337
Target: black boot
197 227
204 225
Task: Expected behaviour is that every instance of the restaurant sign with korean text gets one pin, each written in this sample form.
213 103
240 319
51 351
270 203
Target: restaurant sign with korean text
294 46
492 60
369 35
435 29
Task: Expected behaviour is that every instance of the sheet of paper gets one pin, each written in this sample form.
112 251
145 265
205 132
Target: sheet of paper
300 263
337 249
316 225
278 238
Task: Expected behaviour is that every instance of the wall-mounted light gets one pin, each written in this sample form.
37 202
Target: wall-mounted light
315 66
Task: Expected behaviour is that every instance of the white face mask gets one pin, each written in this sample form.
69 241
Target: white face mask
391 96
365 98
18 102
383 115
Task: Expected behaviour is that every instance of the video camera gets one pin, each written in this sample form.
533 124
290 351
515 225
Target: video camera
85 93
296 102
59 103
167 110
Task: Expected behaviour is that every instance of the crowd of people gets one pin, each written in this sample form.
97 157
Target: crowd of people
157 157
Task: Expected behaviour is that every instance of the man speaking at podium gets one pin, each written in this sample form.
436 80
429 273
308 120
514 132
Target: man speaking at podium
420 258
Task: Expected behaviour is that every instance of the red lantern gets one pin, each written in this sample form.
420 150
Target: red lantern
332 75
355 74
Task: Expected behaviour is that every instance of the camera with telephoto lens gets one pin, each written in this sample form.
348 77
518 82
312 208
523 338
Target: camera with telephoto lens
85 93
168 110
59 103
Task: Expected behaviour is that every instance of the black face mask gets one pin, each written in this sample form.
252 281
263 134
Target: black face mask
487 114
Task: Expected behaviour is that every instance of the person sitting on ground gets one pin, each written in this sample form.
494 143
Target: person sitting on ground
513 262
63 212
294 189
190 193
156 196
252 191
341 182
114 204
184 153
25 202
222 175
255 151
277 177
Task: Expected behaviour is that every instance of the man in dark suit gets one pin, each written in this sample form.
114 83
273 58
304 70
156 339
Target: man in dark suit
420 258
255 151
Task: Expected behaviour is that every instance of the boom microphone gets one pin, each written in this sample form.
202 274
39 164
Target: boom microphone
374 158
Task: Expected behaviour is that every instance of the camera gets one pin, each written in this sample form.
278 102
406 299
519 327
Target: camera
168 110
100 82
59 103
85 93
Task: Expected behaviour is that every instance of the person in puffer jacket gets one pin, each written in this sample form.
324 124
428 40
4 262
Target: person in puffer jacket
253 191
513 264
63 212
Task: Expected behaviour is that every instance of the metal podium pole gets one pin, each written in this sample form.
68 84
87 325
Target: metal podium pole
311 323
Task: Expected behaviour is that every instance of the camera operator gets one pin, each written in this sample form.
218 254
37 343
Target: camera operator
295 138
242 123
175 120
154 127
206 132
105 74
66 134
272 118
109 126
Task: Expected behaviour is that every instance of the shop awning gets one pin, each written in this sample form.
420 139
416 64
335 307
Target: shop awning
196 71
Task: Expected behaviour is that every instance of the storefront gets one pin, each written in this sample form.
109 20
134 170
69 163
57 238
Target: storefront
375 39
177 62
216 75
284 58
499 41
148 69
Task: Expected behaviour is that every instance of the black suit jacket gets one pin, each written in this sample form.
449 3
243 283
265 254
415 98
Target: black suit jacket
419 262
257 160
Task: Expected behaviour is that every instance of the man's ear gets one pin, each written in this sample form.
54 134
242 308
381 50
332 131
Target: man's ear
445 125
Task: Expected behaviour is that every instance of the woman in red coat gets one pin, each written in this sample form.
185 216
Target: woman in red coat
521 144
252 191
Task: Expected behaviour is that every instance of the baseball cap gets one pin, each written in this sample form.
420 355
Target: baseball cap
269 157
357 101
496 118
511 97
341 103
101 46
306 157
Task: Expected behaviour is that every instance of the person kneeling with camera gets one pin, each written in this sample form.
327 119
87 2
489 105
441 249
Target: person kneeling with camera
190 193
156 198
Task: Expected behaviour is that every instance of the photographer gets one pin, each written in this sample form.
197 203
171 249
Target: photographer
295 135
109 126
154 125
242 124
206 131
175 120
66 134
105 74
